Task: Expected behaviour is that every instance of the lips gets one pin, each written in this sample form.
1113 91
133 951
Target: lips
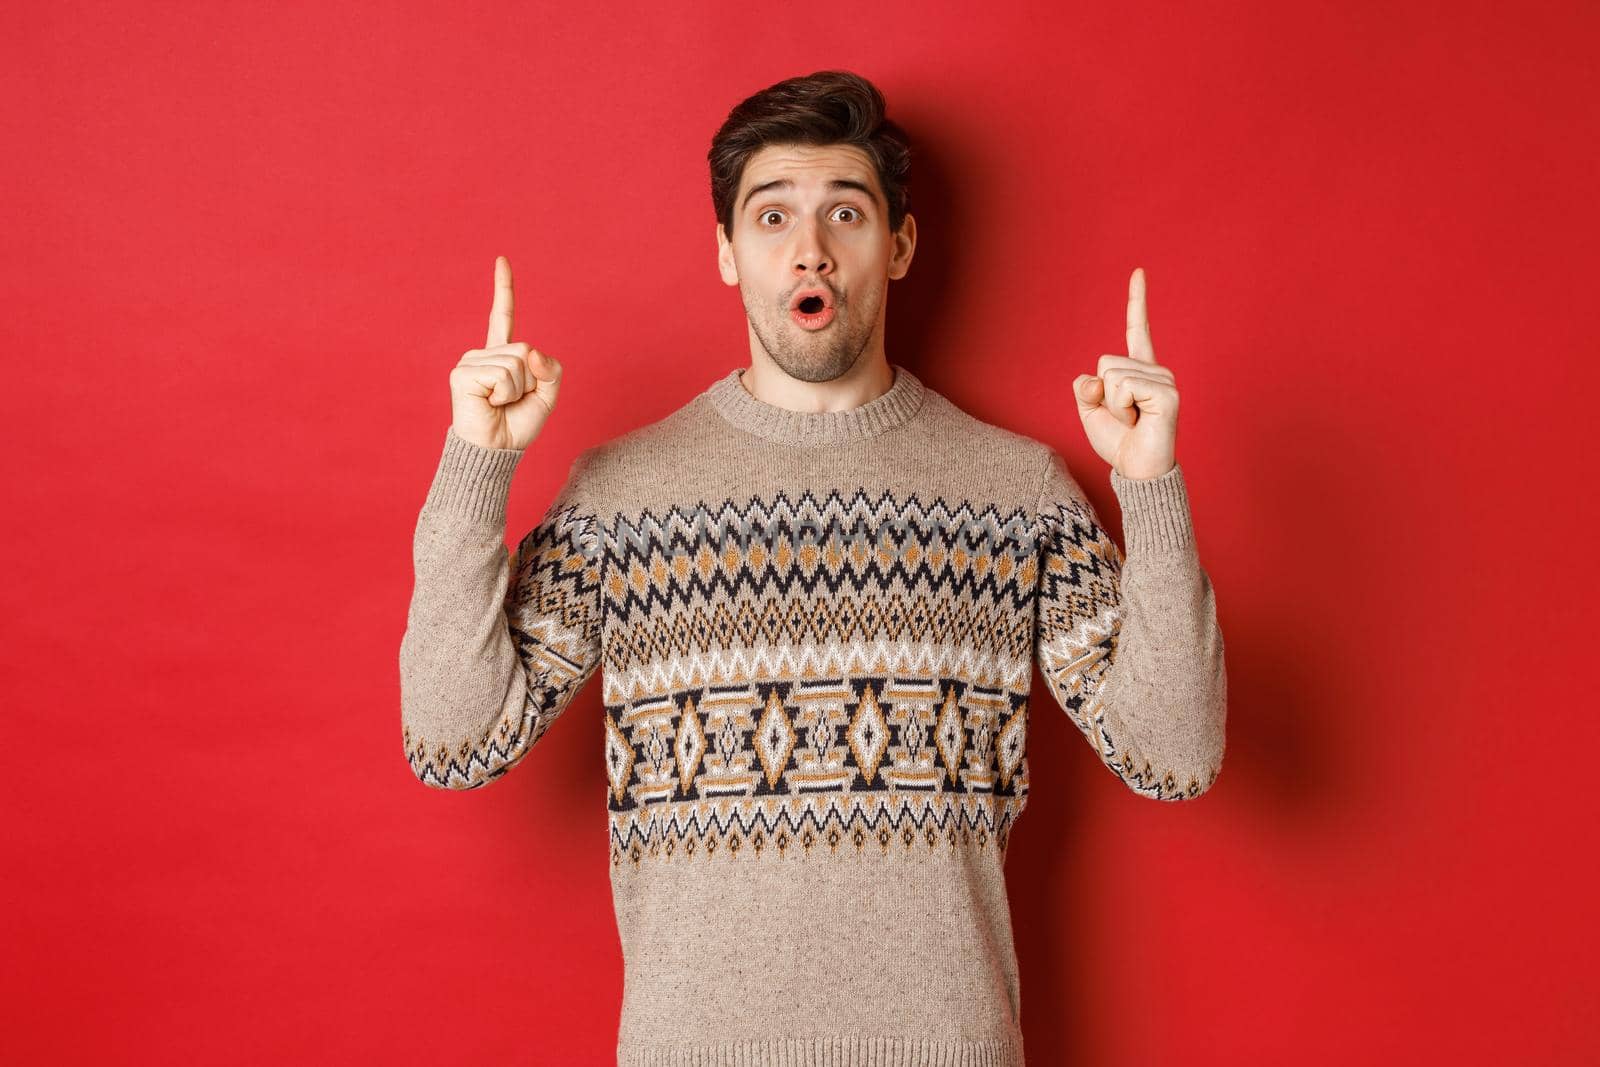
811 308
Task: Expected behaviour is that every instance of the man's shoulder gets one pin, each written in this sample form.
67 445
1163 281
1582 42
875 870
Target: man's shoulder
619 464
987 439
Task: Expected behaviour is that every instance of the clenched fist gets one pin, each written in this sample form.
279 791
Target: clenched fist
501 394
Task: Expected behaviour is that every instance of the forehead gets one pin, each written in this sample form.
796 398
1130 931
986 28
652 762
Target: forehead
809 165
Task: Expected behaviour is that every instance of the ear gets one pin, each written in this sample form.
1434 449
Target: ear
725 263
905 245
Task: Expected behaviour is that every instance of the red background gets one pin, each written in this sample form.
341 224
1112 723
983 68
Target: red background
245 244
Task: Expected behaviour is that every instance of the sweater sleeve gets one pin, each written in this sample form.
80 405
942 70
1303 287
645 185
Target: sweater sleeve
1129 645
496 645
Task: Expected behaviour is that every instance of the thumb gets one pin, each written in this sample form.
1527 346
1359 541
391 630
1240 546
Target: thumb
1090 391
547 372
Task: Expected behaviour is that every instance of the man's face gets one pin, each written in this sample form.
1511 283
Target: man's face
826 232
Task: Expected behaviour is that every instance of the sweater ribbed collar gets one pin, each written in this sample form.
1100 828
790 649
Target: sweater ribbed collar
748 412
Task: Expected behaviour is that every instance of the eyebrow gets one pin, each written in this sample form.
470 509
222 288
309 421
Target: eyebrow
784 183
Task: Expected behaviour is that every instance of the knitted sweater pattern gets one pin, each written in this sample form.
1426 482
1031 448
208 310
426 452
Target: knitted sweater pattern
816 634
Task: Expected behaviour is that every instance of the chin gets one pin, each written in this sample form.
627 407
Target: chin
822 358
816 366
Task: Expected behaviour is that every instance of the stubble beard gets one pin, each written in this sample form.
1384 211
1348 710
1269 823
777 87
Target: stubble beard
810 357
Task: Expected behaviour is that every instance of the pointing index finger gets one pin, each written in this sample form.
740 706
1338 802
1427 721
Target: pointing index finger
500 313
1139 343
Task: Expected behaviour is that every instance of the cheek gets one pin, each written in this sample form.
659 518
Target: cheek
870 292
871 255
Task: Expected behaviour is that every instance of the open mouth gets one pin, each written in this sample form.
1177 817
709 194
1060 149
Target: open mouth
811 309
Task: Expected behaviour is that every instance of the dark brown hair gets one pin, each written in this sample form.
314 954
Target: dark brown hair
826 108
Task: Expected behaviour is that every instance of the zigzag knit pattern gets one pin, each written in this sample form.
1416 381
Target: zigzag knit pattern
820 613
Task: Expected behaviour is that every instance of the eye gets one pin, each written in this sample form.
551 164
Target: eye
769 212
856 214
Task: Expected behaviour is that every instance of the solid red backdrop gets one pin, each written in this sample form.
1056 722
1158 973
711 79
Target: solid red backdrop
244 245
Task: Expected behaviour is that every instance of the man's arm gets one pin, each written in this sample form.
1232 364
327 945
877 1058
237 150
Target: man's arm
495 648
1129 646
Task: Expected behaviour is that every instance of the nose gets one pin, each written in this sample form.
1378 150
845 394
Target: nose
810 256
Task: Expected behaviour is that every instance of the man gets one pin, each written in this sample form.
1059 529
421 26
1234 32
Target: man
818 590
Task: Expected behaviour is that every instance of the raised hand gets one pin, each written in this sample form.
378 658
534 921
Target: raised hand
501 394
1130 409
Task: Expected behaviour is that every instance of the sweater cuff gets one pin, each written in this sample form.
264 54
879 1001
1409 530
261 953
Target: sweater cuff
473 482
1155 512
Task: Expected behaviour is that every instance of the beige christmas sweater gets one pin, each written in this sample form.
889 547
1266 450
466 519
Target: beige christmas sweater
816 634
